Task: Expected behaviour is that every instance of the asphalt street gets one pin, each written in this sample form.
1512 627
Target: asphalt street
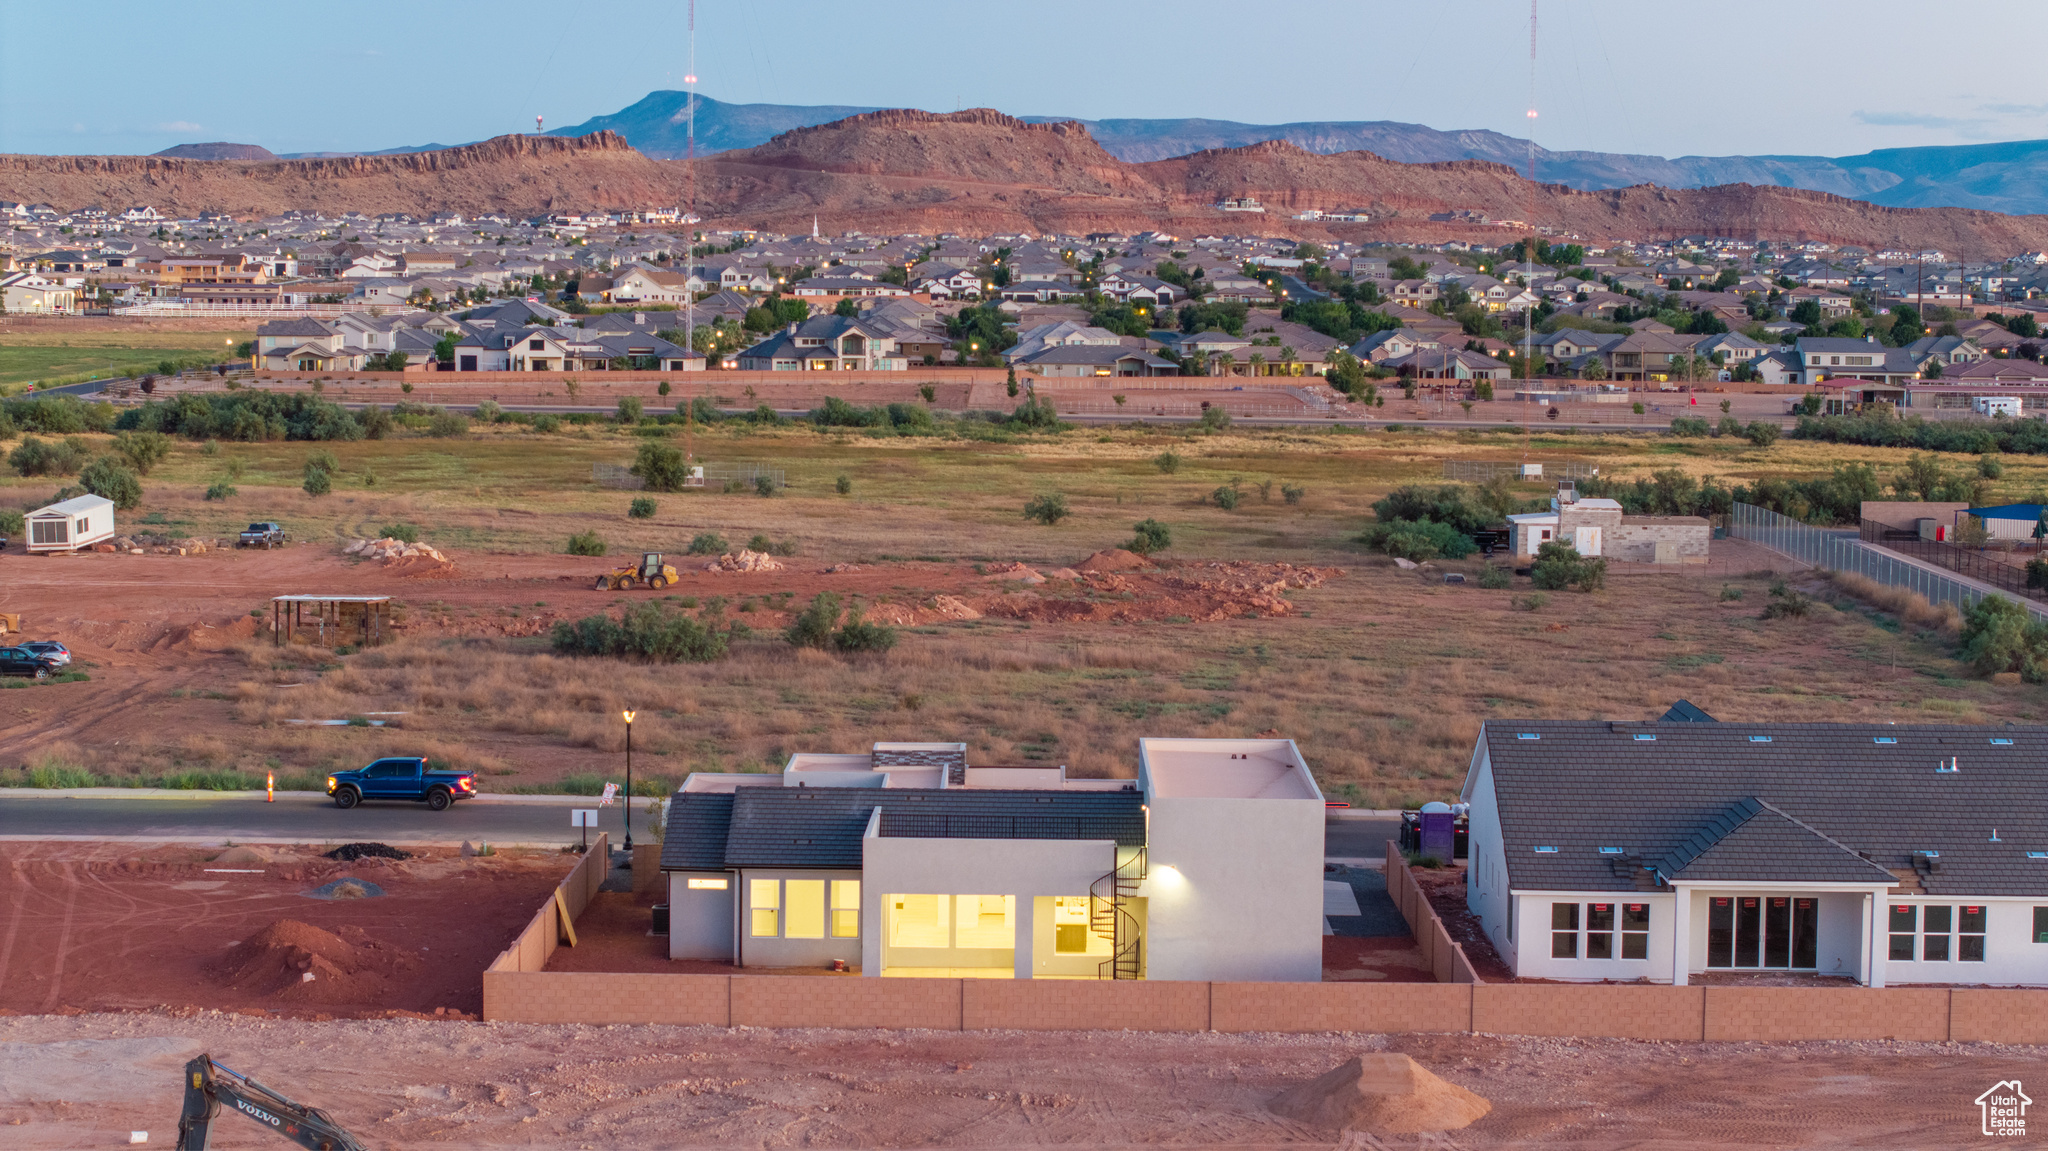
299 817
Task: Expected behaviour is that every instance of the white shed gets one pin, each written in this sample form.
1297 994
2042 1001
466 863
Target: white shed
71 525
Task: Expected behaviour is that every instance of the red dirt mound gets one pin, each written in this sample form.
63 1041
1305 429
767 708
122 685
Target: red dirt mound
1114 560
345 967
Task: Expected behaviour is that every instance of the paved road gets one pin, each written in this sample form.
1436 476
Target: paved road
1358 834
298 817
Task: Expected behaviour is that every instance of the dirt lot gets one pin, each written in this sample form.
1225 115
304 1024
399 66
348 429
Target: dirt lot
86 1081
117 926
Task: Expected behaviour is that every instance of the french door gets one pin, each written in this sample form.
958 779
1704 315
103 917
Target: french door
1763 931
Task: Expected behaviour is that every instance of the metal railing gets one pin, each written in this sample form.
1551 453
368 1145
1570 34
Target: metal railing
1979 563
1846 551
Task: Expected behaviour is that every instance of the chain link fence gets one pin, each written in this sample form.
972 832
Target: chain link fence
1480 471
1845 551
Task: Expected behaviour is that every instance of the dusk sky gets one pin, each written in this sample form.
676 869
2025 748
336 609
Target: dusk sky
1738 77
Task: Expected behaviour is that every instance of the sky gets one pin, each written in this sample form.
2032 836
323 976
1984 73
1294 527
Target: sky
1738 77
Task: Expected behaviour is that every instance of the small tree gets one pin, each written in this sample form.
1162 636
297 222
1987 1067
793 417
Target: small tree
318 481
1482 390
142 450
586 544
220 490
640 509
843 485
629 409
661 467
707 544
1226 497
1168 461
662 389
1049 508
107 478
813 626
1011 385
571 386
1151 537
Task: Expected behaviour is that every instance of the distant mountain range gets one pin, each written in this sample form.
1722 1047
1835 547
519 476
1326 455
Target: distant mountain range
2008 177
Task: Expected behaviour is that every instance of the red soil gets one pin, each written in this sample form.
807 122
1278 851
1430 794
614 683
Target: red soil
110 927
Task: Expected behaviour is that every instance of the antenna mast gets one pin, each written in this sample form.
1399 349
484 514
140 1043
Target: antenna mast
690 229
1529 248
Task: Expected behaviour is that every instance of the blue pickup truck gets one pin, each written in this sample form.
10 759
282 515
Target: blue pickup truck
401 777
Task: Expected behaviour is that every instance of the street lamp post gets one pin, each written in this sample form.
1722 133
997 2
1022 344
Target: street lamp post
628 714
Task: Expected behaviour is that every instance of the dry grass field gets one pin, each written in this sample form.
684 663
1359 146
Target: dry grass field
1382 675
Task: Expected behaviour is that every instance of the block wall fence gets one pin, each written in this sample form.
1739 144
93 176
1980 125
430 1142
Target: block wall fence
519 989
1443 955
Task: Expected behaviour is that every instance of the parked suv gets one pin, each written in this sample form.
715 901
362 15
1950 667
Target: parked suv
58 653
21 661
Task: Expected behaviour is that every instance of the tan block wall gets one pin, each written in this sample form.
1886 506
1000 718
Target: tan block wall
1998 1015
845 1001
1374 1007
1780 1013
1637 543
1592 1009
1080 1005
593 997
536 942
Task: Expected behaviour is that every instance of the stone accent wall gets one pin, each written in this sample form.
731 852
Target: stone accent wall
1636 538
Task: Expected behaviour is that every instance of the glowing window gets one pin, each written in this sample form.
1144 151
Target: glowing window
920 920
985 921
845 908
1072 934
764 900
707 885
805 899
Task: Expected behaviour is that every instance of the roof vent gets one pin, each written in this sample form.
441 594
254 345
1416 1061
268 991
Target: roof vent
1998 742
1759 739
1949 766
1527 735
1613 851
1642 738
1546 851
2037 855
1885 739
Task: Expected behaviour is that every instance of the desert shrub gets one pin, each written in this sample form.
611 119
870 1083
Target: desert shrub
1048 508
142 450
1417 540
488 412
546 424
843 485
220 490
375 422
1559 566
2000 635
444 424
1761 434
1990 467
640 509
1730 593
1168 461
1689 427
1150 537
1226 497
324 460
12 522
1214 420
1494 577
111 479
250 415
1443 504
1292 493
857 636
1534 601
648 631
761 543
1911 607
813 626
57 415
34 457
707 544
319 481
586 544
1786 602
1034 415
629 411
402 532
764 486
1728 426
662 467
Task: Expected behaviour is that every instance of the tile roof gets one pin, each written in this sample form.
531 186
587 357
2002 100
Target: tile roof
823 826
1873 789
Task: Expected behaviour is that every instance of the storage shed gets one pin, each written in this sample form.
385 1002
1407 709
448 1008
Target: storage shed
71 525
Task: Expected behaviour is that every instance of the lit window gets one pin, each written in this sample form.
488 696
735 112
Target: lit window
985 921
845 908
1071 931
806 909
700 884
764 899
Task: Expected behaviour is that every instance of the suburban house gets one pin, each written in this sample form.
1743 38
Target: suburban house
1824 358
825 343
639 285
35 293
1597 527
908 861
1381 346
1659 851
1097 360
574 350
1447 364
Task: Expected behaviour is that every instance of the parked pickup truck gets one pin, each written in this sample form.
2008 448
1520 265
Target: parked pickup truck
402 777
263 535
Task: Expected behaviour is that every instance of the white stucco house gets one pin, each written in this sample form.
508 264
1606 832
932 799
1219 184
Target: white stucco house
907 861
1665 851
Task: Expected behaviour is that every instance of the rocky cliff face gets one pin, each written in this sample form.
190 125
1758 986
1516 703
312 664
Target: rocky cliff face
981 171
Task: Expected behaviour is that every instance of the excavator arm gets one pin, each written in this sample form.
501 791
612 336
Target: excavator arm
209 1085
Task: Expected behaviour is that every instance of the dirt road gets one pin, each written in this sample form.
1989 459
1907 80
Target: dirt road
88 1080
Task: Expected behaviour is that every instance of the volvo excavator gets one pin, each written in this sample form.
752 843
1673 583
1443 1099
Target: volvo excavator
208 1085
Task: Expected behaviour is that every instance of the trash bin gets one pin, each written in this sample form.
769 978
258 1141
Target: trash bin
661 919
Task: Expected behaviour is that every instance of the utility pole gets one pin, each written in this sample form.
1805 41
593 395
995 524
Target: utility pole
1529 248
690 229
